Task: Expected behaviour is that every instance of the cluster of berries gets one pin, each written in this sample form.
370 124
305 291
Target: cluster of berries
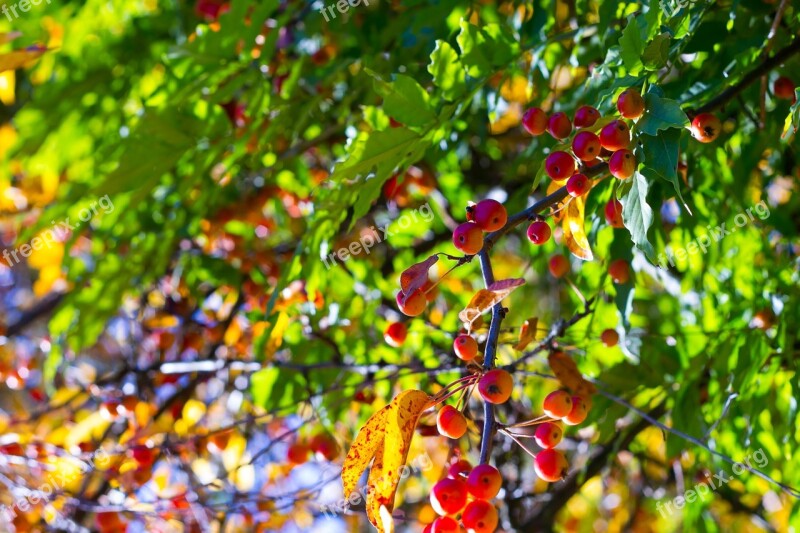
464 496
485 216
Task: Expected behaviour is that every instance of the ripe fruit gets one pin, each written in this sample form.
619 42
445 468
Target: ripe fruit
451 423
495 386
539 232
586 116
622 164
414 304
619 271
614 213
484 482
763 320
609 337
489 215
297 453
459 469
325 445
578 412
444 524
468 238
534 121
706 127
559 125
615 136
558 265
480 516
449 496
550 465
578 185
586 146
143 455
630 104
548 435
783 88
395 334
559 165
466 347
557 404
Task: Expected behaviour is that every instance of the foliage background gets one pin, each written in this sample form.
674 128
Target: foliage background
211 254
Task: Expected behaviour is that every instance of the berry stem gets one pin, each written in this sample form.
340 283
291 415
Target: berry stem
489 424
532 422
515 439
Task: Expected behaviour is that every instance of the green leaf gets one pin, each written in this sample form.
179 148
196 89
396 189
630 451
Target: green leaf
275 388
660 114
404 100
447 71
661 156
638 215
484 48
793 119
656 52
632 43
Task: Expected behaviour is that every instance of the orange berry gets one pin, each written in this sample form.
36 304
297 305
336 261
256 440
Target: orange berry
414 305
484 482
466 347
619 271
558 265
480 516
548 435
450 422
609 337
297 453
395 334
550 465
448 496
557 404
578 412
496 385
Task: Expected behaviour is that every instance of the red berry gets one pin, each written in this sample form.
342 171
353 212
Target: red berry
619 271
706 127
559 125
557 404
395 334
495 386
480 516
614 213
578 412
534 121
615 136
451 423
459 469
466 347
489 215
468 238
630 104
143 455
609 337
548 435
325 445
414 305
297 453
484 482
586 116
622 164
559 165
449 496
539 232
578 185
586 146
550 465
558 265
783 88
444 524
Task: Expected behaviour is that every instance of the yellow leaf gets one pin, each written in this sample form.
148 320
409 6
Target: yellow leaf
386 437
7 87
568 374
527 333
574 230
161 321
19 58
558 211
484 299
276 335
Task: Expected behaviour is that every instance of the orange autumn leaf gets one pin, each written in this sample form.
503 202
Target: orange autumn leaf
568 374
415 276
527 333
574 229
386 437
484 299
19 58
